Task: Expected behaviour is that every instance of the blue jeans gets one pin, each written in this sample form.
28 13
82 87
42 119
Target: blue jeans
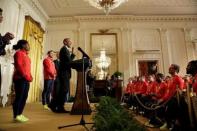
48 86
21 93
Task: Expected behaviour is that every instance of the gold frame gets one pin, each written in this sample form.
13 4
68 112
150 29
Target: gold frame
105 34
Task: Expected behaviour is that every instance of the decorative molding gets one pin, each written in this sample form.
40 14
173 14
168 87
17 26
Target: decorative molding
184 18
61 20
103 31
36 5
122 29
162 30
194 41
187 30
143 51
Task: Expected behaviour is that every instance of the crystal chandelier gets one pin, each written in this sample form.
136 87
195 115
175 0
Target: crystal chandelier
106 5
102 62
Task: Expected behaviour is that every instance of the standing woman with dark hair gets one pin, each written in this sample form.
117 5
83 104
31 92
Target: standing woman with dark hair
22 77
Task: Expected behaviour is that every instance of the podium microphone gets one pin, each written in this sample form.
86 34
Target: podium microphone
84 54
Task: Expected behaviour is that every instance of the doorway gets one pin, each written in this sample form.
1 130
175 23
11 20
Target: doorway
147 67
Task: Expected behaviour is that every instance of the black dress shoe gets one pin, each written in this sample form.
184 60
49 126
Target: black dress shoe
52 107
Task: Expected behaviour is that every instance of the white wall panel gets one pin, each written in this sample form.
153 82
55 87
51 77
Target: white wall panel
146 39
177 47
55 39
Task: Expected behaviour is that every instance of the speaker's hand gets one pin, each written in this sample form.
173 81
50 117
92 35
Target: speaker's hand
72 50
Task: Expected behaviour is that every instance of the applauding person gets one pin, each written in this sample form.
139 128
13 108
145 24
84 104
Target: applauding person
4 40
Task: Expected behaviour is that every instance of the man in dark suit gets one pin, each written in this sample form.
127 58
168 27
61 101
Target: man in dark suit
65 57
54 101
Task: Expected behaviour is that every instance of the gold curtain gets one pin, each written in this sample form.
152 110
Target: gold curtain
33 33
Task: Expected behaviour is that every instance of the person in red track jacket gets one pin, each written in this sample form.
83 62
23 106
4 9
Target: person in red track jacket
175 105
192 70
194 84
22 77
49 77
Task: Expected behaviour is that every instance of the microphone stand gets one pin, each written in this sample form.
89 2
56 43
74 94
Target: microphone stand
82 121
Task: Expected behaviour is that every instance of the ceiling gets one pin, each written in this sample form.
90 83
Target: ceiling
63 8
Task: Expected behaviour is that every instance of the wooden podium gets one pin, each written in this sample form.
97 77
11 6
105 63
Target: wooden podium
81 101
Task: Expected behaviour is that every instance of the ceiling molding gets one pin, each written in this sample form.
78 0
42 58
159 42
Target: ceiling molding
36 5
187 18
61 20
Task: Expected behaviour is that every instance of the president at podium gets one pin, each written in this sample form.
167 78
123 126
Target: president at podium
66 57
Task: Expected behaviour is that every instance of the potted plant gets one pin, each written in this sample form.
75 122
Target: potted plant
71 99
118 74
110 116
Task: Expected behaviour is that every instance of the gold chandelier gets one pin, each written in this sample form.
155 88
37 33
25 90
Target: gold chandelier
106 5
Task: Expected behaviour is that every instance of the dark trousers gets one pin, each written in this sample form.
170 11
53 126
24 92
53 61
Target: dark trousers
172 111
48 86
21 92
63 91
183 115
178 111
55 94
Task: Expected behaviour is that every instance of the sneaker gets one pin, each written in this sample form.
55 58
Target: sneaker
131 108
24 118
141 113
19 119
148 124
164 127
46 107
122 104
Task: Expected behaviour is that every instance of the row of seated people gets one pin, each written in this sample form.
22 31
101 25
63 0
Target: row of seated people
162 99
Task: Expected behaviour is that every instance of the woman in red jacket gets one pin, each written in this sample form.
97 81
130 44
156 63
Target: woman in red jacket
22 77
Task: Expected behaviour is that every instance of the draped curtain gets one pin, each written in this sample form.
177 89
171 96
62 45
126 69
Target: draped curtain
33 33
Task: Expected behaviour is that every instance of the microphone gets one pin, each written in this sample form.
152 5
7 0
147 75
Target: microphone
83 53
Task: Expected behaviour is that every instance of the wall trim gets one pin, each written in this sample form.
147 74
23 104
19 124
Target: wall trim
175 18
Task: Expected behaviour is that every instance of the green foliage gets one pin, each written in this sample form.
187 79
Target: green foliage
117 73
111 116
71 99
94 99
